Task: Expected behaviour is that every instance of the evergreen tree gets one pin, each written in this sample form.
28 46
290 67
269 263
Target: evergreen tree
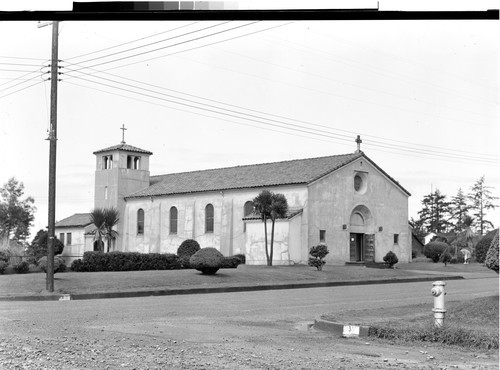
435 214
482 200
459 209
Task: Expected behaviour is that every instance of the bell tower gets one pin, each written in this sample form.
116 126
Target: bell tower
120 171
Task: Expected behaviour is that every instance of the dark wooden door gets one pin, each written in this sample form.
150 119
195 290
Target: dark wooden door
369 247
352 247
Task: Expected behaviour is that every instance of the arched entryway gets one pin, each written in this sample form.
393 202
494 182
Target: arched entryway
361 238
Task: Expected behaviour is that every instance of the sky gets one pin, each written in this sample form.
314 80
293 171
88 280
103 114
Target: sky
423 95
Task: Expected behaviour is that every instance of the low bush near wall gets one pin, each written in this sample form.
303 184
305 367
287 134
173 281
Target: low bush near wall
317 255
22 267
125 261
59 264
391 259
187 248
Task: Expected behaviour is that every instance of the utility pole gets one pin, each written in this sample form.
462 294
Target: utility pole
52 156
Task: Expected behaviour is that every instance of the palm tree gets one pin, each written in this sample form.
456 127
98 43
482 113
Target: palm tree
279 208
270 206
466 237
98 219
262 205
104 219
112 218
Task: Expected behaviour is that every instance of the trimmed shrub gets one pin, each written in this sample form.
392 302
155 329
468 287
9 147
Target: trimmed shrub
231 262
187 248
77 266
59 264
22 267
318 253
483 245
241 257
3 266
434 250
391 259
4 256
125 261
207 260
38 247
492 255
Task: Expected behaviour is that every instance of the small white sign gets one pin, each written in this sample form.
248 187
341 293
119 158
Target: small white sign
351 331
65 297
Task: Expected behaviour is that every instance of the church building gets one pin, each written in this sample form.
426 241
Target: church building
345 201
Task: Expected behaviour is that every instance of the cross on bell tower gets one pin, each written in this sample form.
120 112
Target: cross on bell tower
123 133
358 141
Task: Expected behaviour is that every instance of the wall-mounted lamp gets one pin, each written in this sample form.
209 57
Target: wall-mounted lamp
380 228
344 227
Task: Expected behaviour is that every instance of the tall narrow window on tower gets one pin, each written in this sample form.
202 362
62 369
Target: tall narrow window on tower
137 161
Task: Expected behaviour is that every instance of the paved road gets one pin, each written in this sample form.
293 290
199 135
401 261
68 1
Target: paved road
251 330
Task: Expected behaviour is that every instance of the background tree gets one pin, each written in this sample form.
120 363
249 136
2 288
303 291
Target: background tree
459 209
482 200
16 214
270 206
104 219
435 213
38 247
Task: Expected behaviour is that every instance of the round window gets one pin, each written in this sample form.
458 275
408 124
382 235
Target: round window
358 182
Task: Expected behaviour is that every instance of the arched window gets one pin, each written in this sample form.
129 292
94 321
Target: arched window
129 161
105 162
140 221
248 208
137 160
209 218
173 220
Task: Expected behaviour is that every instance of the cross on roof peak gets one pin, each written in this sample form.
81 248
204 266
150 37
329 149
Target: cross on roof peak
358 141
123 133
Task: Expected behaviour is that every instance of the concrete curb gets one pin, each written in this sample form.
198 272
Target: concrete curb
208 290
349 330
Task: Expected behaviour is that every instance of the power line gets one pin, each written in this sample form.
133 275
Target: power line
24 88
130 42
169 46
276 123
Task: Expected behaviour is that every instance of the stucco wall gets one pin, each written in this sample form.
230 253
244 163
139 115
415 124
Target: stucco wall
77 247
333 198
229 236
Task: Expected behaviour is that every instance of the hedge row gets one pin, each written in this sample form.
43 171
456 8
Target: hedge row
125 261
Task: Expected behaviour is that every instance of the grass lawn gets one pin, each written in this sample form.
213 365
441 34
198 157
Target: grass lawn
244 275
471 324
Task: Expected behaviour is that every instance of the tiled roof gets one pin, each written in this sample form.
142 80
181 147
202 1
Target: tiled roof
124 147
78 219
300 171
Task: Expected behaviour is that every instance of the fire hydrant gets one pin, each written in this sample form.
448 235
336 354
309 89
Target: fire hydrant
439 310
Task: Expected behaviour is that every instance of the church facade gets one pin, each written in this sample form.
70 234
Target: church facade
345 201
